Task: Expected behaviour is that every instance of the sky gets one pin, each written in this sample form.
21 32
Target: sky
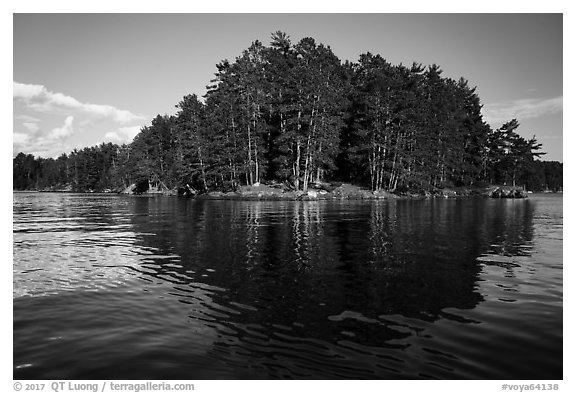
83 79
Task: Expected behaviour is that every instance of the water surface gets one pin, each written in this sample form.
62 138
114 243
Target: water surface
157 288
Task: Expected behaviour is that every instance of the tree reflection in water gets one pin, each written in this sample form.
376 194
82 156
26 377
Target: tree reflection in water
330 272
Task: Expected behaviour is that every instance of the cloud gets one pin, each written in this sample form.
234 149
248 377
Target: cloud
32 127
40 99
63 132
499 113
38 146
19 139
27 118
43 144
124 134
27 91
48 123
130 132
113 136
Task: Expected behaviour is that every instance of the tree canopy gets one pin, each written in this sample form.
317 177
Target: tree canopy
294 113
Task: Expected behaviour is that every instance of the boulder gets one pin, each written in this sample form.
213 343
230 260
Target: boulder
312 194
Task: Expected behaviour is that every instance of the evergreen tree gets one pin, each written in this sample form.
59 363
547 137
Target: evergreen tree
508 154
294 113
192 147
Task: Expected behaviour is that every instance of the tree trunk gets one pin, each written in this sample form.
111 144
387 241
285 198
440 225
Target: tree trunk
249 167
308 160
202 169
318 169
296 167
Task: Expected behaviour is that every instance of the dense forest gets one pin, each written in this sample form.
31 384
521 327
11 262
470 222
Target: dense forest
297 115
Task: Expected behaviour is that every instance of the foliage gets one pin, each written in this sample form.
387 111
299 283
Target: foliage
90 169
294 113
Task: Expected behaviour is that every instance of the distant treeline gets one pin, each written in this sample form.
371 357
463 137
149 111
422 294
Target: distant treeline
294 113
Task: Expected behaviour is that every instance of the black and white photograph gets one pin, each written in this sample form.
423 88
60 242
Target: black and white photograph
287 196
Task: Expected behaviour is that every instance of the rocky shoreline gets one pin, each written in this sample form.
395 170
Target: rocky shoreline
324 191
348 191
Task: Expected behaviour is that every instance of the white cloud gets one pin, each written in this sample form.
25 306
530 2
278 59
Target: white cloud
32 127
50 144
113 136
130 132
80 124
499 113
27 118
124 134
38 98
63 132
19 139
38 146
27 91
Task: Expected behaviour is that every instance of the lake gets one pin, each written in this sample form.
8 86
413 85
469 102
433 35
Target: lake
119 287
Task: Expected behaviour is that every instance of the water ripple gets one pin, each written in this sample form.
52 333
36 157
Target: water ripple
108 287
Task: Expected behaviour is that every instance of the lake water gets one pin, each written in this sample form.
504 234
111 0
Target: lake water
113 287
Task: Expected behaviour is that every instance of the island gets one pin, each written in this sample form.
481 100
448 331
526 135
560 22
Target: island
292 120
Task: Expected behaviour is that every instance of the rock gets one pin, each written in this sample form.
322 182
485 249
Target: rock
448 193
130 189
324 186
259 191
381 194
507 192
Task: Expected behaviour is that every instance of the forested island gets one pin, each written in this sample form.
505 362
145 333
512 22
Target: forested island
295 116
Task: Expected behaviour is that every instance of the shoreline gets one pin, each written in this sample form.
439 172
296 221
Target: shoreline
341 192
